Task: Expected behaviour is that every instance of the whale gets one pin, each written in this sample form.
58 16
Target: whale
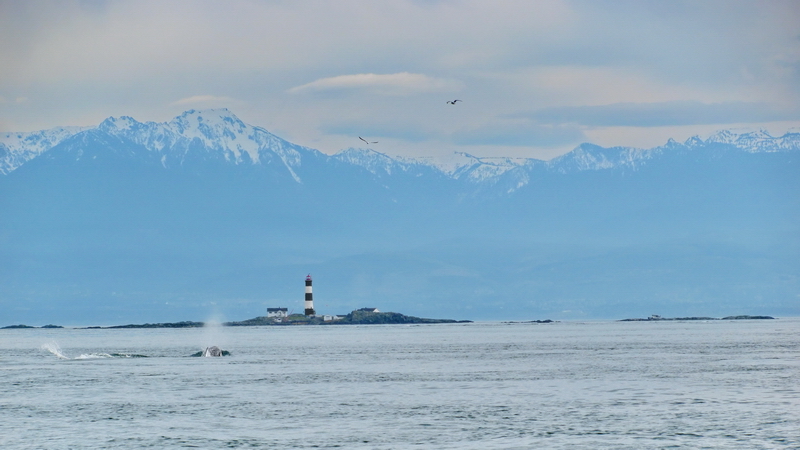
212 351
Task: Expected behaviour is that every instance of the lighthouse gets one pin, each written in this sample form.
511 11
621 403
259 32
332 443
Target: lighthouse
309 298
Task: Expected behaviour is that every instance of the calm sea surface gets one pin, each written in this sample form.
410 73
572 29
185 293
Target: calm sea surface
592 385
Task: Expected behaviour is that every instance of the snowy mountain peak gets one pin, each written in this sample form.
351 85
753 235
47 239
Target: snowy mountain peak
208 123
218 129
723 137
733 136
449 164
693 141
211 118
757 141
584 157
123 123
761 134
17 148
478 169
369 159
380 163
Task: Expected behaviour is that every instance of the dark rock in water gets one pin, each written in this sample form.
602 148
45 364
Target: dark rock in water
14 327
657 318
52 326
366 317
534 321
212 351
748 318
184 324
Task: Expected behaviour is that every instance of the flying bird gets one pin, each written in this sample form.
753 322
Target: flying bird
368 142
453 102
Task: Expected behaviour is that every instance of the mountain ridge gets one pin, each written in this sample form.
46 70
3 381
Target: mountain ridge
219 133
148 222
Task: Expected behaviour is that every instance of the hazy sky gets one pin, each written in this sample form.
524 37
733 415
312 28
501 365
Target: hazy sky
536 78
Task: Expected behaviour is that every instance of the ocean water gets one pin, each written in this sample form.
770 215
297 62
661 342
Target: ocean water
570 385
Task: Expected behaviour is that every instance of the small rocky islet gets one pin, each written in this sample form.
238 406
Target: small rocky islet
659 318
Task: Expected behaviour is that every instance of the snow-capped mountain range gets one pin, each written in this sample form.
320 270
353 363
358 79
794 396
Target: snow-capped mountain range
219 135
157 222
18 148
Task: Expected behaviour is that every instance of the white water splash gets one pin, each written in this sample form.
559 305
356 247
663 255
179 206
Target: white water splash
94 356
54 348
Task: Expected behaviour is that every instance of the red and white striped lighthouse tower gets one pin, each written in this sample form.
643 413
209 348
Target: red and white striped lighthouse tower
309 298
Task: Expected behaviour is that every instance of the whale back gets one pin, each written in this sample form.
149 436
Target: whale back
212 351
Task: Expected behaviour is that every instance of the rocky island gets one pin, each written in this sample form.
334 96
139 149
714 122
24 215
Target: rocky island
656 317
358 317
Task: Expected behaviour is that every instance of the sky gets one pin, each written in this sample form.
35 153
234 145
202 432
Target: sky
535 78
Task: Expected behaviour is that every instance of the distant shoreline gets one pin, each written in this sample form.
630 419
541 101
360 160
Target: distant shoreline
353 318
359 318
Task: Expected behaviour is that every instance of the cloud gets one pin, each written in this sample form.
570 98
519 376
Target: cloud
674 113
644 62
202 99
403 83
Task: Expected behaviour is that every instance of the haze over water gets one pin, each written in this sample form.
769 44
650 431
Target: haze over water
637 385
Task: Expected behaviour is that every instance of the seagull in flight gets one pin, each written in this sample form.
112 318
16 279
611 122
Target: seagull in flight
453 102
368 142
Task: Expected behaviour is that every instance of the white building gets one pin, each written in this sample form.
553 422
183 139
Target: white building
277 312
